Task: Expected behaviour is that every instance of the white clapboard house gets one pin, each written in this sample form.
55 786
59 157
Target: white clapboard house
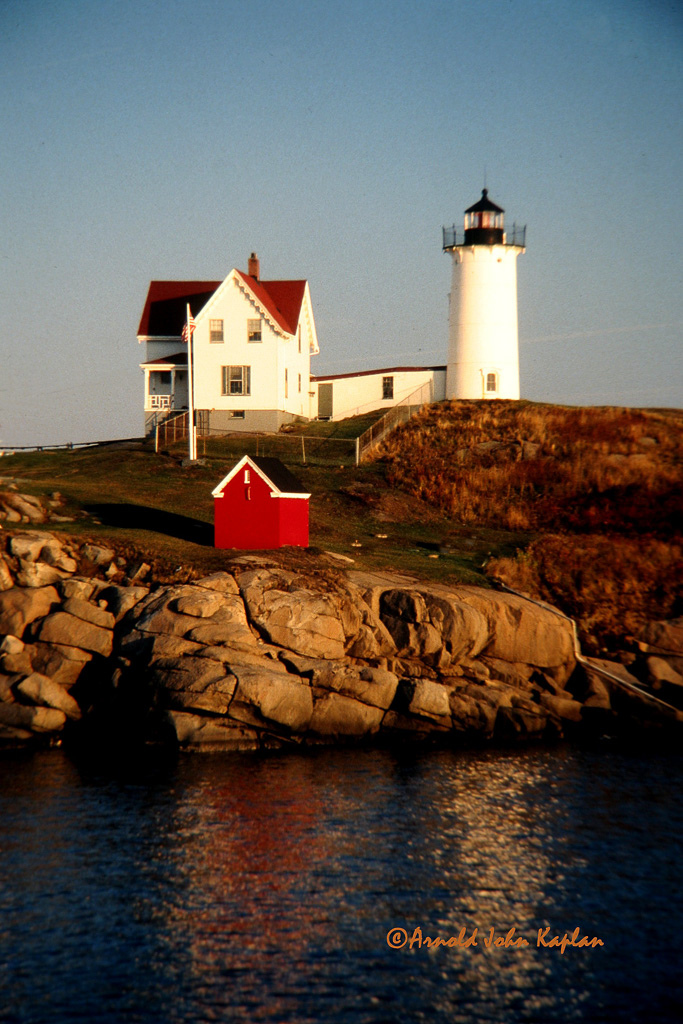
252 348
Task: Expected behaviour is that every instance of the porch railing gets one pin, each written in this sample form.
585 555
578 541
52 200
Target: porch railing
160 401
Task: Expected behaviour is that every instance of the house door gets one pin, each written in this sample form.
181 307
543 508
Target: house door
325 401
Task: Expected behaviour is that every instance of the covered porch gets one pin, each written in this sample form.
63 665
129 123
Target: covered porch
166 387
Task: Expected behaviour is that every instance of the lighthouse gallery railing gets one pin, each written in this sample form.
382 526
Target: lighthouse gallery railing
516 235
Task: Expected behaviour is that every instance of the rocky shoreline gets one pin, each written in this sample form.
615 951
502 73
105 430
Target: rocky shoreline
259 657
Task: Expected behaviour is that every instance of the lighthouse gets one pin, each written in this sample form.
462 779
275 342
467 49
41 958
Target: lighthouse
483 349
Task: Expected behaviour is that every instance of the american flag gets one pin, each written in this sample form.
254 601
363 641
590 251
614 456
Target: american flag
188 328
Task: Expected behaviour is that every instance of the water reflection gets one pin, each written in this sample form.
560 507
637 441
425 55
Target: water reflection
262 889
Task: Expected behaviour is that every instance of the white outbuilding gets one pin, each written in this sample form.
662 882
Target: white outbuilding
353 394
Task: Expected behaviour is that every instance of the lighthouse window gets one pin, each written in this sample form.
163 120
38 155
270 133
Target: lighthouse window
387 387
491 382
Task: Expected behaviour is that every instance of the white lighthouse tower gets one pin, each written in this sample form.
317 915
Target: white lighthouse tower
483 350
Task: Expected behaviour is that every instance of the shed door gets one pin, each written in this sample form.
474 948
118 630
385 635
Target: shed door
325 401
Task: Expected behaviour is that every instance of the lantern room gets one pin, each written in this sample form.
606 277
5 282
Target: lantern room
484 222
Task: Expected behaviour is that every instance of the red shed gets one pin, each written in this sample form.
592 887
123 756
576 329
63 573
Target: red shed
260 504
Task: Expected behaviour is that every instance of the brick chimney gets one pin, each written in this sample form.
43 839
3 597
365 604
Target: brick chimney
253 268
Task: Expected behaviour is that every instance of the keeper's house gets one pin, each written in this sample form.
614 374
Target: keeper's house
252 348
260 504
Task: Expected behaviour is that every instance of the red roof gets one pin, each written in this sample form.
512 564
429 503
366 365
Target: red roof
367 373
281 299
177 359
165 307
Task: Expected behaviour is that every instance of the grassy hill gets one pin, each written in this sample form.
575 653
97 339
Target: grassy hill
581 507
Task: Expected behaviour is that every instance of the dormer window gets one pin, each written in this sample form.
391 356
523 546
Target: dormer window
254 330
215 331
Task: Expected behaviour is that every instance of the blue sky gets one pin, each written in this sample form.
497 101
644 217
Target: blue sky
144 139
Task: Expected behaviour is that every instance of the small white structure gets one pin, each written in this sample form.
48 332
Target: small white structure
252 348
352 394
483 349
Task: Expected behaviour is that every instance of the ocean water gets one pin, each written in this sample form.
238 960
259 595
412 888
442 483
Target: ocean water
263 888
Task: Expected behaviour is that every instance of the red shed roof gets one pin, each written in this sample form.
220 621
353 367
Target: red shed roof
165 307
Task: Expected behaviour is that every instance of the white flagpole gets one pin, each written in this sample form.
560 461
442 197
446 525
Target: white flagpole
190 387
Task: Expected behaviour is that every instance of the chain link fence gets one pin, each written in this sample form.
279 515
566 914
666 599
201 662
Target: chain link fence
292 449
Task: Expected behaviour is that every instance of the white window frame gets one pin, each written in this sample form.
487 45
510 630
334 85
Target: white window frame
235 380
491 378
216 335
387 385
255 331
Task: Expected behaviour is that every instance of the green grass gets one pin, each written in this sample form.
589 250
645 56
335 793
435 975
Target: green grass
352 427
347 506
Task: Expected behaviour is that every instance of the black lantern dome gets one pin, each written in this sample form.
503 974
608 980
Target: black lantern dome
484 222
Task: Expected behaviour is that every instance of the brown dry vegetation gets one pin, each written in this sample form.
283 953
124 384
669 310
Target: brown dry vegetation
523 466
612 585
600 488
